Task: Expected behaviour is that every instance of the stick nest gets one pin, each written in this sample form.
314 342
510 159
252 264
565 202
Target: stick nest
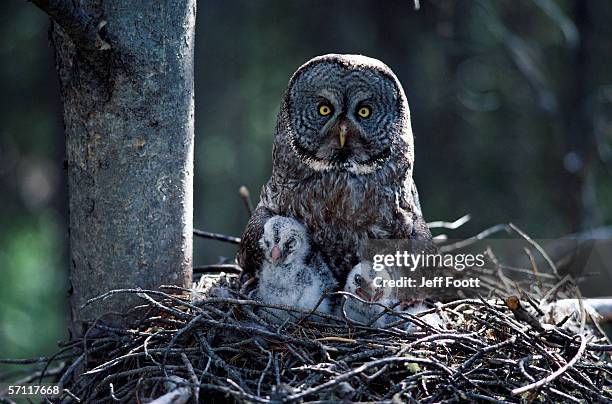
210 343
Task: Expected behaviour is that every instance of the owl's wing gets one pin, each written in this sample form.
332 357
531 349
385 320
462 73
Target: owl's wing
420 232
416 200
422 235
249 255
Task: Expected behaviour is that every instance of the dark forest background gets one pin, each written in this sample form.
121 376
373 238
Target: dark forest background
511 108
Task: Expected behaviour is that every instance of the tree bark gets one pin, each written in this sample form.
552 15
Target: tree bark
128 102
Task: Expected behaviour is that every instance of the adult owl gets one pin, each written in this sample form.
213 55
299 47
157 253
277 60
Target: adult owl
342 162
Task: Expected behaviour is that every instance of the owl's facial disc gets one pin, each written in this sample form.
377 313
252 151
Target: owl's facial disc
343 118
284 240
341 144
344 143
361 282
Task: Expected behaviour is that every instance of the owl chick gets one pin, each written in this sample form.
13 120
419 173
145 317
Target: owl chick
432 319
362 282
342 163
292 273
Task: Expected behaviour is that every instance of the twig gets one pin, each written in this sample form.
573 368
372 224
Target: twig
71 369
450 225
556 373
265 371
216 236
207 269
534 265
83 29
537 247
245 195
192 376
480 236
314 309
500 273
9 361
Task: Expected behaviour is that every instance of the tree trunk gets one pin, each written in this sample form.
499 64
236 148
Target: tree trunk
126 79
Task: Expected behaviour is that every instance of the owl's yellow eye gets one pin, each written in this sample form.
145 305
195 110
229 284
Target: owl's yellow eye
325 109
364 112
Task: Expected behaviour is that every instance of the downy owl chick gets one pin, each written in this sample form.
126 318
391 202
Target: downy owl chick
363 281
292 273
368 284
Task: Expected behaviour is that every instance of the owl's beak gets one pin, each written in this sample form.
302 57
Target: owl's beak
276 253
364 294
378 295
368 294
342 134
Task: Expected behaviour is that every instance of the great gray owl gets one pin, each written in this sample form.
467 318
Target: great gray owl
361 282
342 162
292 274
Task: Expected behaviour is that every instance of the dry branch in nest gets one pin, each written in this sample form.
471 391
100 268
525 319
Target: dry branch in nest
210 344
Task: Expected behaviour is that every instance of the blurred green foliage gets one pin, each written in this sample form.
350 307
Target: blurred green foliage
511 108
33 288
33 308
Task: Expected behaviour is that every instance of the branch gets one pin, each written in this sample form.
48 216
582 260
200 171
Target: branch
82 28
537 247
245 195
469 241
450 225
216 236
207 269
555 374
